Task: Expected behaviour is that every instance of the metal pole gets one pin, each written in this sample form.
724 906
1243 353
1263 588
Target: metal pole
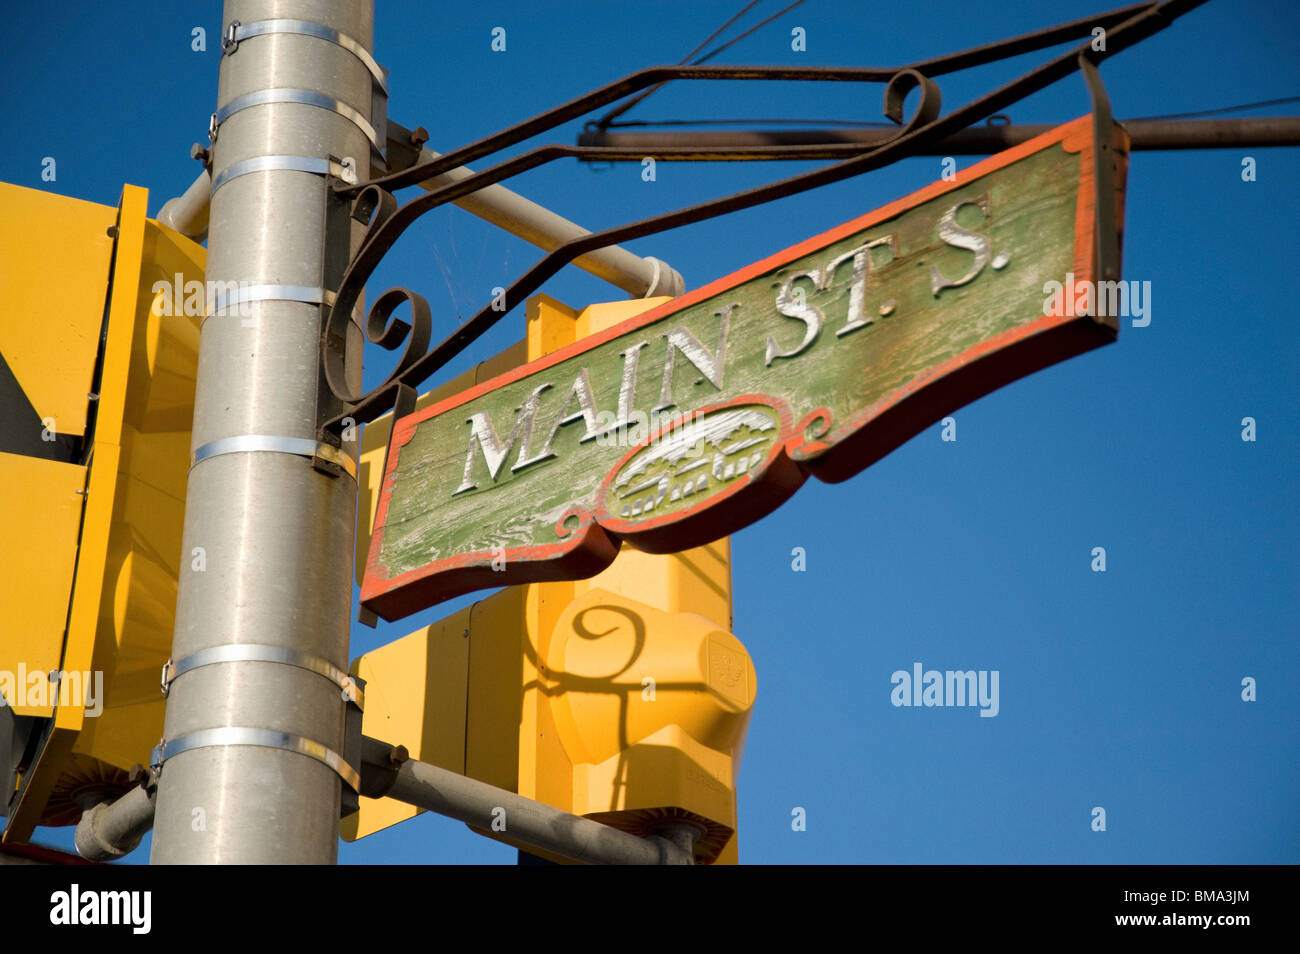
1144 135
249 770
536 824
109 830
639 277
187 213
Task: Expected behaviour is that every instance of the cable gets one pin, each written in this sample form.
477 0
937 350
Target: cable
606 120
780 13
714 35
1225 109
620 110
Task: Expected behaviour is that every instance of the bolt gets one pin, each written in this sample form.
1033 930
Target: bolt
419 136
398 755
199 151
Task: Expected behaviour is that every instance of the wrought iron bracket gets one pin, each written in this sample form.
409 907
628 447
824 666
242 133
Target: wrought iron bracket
374 205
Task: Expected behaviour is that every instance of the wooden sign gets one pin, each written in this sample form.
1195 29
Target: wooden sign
703 415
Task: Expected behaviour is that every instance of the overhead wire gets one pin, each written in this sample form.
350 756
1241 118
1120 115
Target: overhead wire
1223 109
607 119
624 107
758 26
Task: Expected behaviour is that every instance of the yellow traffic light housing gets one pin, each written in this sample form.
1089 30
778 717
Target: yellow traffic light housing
654 707
623 697
96 362
580 695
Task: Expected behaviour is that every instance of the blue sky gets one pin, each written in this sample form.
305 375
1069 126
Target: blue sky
1119 689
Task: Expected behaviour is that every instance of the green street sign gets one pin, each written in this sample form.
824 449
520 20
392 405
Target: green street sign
703 415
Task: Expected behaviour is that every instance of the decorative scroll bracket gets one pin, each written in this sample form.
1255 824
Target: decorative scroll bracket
376 206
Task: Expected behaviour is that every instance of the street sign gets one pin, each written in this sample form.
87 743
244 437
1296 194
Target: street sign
703 415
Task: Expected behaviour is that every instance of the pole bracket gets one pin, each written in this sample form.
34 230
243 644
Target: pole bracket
308 294
344 169
324 457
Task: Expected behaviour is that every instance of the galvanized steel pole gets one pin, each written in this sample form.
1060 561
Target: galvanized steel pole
249 769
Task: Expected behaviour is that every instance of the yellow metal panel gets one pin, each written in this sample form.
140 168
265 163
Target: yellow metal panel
122 735
55 253
668 768
415 696
137 611
120 621
598 317
88 587
545 767
692 581
551 325
498 667
101 494
40 511
137 606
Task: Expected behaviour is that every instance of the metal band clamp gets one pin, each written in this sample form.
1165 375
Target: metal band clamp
300 446
308 97
267 738
345 169
260 652
237 32
310 294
